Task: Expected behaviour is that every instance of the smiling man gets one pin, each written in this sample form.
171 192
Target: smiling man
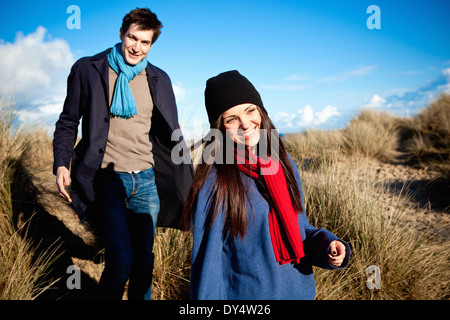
135 43
121 174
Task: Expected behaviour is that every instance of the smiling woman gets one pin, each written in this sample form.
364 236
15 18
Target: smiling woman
247 217
242 124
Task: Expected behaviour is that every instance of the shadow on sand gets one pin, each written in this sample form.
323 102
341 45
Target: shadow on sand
47 233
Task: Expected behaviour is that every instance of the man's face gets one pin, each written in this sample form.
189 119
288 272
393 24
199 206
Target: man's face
135 44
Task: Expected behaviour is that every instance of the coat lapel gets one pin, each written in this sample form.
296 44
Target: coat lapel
153 83
100 62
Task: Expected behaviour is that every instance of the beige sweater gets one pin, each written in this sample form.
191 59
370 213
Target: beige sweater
129 148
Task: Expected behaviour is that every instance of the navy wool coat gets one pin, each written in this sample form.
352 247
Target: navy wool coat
88 99
233 268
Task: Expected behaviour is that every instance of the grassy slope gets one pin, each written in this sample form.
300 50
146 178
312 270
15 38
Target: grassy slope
341 193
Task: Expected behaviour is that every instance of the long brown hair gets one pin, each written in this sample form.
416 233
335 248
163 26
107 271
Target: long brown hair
228 189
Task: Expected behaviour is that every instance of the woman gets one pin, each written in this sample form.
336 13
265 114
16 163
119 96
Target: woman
251 237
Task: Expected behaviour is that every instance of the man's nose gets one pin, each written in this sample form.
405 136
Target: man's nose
136 46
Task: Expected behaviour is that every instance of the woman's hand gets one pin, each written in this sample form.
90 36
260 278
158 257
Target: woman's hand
336 254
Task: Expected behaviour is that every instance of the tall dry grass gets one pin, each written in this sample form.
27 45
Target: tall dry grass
171 273
345 199
426 137
341 195
371 134
21 270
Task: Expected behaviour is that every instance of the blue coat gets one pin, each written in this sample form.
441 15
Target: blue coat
233 268
88 98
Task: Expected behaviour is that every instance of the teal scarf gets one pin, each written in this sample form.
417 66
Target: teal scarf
123 104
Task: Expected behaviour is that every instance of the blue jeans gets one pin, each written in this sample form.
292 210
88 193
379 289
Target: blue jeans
129 206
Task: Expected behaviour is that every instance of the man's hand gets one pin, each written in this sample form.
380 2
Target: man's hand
63 181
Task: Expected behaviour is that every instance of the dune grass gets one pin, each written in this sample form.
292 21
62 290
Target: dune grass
426 137
341 194
371 134
172 264
21 270
346 200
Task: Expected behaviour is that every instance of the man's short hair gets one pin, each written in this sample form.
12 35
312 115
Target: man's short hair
145 19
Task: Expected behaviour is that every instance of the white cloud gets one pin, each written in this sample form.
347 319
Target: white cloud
47 111
179 91
374 102
35 70
414 100
327 113
446 73
304 118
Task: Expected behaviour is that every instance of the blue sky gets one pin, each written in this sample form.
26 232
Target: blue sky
315 63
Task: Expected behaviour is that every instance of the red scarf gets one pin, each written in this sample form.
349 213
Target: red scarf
283 218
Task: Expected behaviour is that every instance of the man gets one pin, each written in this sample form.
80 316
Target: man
122 174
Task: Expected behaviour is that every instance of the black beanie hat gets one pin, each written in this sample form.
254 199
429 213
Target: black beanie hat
227 90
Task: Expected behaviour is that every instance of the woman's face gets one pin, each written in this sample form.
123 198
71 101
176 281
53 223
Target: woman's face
242 123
